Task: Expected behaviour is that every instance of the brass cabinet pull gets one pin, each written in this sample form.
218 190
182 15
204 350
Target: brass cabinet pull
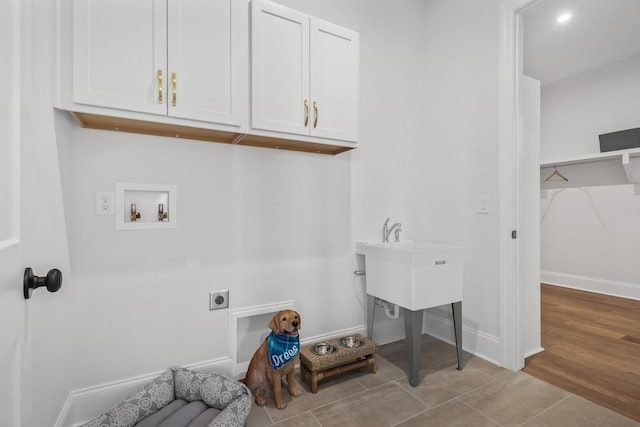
306 113
315 110
173 86
159 86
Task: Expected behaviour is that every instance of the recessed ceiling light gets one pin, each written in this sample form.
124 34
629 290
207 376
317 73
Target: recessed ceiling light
563 18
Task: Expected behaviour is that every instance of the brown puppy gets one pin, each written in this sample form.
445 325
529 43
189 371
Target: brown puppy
276 358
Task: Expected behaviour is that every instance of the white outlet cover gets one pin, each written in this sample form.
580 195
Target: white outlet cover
105 203
222 303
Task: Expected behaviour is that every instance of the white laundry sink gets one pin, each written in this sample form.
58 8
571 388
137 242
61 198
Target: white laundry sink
414 275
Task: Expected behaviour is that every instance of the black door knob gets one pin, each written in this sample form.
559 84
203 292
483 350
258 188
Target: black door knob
52 281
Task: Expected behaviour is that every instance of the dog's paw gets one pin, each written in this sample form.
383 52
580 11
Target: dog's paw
260 400
281 405
295 393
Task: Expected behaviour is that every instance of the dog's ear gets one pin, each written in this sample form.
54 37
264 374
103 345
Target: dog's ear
299 320
274 325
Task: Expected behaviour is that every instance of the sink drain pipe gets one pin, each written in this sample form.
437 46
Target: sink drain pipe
391 310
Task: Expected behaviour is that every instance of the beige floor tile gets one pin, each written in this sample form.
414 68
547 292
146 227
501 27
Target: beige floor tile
434 355
574 411
303 420
258 417
481 395
446 384
451 414
329 390
488 368
514 398
387 371
399 346
381 406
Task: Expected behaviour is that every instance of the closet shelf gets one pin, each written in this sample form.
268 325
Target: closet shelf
630 159
590 158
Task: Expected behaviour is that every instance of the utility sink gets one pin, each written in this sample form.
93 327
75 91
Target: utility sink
413 275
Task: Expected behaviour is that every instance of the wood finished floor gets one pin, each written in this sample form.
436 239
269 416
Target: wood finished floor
592 347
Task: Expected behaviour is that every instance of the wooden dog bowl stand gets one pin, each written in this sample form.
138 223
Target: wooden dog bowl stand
345 359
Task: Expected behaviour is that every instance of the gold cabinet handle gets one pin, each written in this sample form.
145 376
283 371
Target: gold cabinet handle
306 113
173 89
159 86
315 111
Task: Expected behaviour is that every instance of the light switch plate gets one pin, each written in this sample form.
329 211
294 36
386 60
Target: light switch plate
483 204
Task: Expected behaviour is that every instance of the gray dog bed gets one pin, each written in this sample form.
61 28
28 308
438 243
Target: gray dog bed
181 398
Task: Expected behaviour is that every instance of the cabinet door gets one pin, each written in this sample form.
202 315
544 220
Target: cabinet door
119 49
279 69
203 63
334 81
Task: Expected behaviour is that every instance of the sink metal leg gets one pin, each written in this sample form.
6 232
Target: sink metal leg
413 332
371 309
456 307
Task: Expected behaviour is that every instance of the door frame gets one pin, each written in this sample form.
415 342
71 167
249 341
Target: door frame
14 351
511 282
11 234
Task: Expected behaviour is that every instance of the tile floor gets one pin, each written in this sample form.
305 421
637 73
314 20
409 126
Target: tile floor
481 395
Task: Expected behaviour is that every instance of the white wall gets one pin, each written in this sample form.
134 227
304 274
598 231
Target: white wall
274 225
590 226
576 110
429 135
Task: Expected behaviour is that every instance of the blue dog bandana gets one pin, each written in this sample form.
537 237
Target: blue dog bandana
282 348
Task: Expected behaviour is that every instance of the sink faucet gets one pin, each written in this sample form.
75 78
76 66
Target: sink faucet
397 227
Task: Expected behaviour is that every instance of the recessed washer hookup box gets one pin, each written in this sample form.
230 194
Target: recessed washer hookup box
620 140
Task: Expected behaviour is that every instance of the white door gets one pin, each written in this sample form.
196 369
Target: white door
279 69
30 211
528 148
334 81
13 346
120 54
203 60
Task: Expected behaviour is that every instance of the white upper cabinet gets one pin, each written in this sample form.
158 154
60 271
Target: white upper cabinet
279 68
304 74
168 57
196 69
119 48
335 77
202 59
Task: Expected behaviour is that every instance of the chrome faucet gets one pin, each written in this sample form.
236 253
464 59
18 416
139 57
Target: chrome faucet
397 227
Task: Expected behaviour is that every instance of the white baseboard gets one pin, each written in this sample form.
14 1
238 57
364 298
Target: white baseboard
83 404
533 351
335 334
476 342
590 284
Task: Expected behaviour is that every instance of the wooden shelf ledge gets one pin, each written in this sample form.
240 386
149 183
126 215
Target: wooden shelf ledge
118 124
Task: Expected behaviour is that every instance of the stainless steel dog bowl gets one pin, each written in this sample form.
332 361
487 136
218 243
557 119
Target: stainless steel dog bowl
351 342
323 348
